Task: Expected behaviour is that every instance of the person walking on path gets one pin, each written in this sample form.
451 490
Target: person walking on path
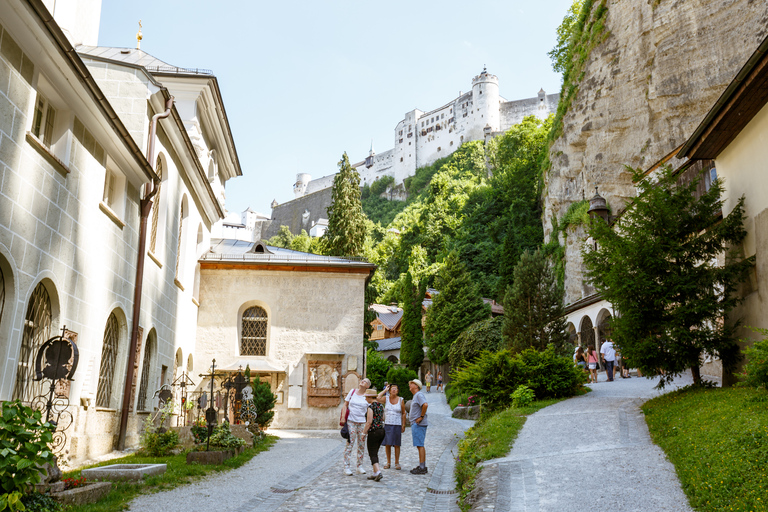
608 353
357 405
439 381
374 430
592 363
418 418
394 422
428 380
580 359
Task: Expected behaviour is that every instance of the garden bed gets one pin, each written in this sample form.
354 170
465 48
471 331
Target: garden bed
213 456
84 494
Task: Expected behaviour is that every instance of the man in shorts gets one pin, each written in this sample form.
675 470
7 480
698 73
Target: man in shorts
418 419
608 352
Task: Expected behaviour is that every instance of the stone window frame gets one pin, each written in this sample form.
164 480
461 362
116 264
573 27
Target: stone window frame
245 307
108 366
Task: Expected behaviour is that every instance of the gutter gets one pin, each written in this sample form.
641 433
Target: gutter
724 98
77 65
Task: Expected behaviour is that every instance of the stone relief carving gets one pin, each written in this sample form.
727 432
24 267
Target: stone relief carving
323 389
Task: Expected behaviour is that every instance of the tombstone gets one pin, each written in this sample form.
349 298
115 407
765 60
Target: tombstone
351 381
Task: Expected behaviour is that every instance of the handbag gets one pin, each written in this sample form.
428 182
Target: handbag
345 432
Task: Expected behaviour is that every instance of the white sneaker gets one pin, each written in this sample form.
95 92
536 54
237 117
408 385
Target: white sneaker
348 472
360 470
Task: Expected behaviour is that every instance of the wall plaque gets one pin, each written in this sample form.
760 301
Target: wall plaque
324 383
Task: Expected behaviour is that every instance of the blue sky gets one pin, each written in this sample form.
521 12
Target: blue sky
304 81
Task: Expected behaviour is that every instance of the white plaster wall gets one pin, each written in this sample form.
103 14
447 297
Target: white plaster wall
309 313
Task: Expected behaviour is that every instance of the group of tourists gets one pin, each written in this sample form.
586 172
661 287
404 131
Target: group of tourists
374 418
610 357
428 381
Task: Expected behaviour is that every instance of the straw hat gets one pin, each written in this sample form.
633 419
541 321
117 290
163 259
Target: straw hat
371 392
417 382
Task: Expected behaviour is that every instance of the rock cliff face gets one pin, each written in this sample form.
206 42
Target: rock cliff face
644 90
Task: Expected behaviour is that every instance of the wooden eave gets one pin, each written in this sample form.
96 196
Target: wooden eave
746 95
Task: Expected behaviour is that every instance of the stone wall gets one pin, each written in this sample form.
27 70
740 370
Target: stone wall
644 91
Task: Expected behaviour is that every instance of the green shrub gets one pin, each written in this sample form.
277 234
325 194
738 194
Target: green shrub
482 335
24 439
36 502
157 441
200 433
401 375
264 401
376 369
495 376
756 367
223 437
380 186
523 396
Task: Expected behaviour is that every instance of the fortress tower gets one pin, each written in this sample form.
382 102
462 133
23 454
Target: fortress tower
485 94
300 187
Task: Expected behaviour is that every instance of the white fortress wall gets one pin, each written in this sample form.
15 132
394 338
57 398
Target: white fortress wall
320 184
513 112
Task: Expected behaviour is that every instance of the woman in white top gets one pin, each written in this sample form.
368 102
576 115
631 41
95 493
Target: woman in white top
357 406
394 422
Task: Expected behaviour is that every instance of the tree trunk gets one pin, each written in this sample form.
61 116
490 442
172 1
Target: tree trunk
696 372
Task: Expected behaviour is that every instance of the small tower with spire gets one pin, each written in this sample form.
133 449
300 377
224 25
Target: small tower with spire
369 158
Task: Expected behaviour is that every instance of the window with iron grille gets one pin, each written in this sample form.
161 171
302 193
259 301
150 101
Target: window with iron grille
141 404
156 208
253 338
108 359
178 245
37 329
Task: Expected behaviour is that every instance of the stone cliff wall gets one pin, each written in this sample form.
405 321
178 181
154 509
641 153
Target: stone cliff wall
644 90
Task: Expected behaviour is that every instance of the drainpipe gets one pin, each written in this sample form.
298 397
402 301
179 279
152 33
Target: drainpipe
145 206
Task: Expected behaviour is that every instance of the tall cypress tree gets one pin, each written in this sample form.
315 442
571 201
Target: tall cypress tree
412 337
533 307
346 221
456 307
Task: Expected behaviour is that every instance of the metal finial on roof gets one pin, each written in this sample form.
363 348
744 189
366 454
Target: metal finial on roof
485 71
139 37
371 151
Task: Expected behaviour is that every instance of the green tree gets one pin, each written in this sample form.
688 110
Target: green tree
345 235
533 307
283 238
562 53
376 368
411 335
457 306
658 266
264 401
482 335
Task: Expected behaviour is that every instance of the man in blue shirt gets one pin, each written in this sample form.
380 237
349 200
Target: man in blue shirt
418 419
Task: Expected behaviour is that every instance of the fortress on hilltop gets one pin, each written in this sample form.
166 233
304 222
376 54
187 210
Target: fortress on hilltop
421 138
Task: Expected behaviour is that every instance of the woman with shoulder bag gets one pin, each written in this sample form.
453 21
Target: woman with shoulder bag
394 422
592 363
357 406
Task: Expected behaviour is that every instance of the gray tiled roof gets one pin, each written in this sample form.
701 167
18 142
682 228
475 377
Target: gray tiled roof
238 251
137 58
388 315
388 344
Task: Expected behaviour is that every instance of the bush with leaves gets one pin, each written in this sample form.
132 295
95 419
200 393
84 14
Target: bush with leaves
37 502
756 367
480 336
264 401
155 440
24 440
222 437
495 376
523 396
376 368
402 376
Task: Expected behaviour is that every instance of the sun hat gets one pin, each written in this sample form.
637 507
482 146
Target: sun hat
417 382
371 392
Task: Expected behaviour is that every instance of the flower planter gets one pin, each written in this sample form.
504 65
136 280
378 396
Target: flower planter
83 495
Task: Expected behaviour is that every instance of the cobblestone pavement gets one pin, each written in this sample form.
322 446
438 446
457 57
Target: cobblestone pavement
591 452
303 471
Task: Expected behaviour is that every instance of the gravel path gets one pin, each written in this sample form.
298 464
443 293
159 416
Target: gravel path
303 471
591 452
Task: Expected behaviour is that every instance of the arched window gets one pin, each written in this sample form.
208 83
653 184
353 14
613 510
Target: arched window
181 248
253 337
587 333
156 208
108 360
2 293
149 348
37 329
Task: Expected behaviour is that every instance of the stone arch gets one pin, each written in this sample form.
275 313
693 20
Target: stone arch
587 332
573 335
8 294
190 364
393 359
159 215
148 362
114 349
182 248
604 318
178 362
212 166
40 323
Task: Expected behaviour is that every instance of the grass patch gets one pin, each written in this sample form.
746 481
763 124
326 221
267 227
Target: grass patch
490 438
717 440
178 473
